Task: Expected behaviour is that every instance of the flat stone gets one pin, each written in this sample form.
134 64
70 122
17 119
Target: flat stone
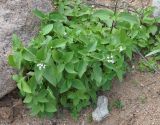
16 17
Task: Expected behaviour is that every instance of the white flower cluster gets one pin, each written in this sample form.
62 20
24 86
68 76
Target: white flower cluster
41 66
110 59
121 49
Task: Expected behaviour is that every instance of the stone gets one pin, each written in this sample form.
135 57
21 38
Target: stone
101 111
156 4
16 17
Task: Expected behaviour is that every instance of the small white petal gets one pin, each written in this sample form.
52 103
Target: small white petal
112 61
65 33
121 48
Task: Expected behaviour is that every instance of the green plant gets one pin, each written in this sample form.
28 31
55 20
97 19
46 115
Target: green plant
143 99
118 104
148 65
77 53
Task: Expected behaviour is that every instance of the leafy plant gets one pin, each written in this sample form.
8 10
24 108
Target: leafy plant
118 104
143 99
77 53
148 65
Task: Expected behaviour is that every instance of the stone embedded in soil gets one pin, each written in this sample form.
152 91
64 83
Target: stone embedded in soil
16 17
102 109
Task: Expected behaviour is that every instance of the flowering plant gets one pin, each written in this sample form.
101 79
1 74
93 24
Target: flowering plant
77 53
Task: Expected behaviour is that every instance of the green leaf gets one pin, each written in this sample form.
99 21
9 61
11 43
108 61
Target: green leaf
51 93
50 74
129 52
16 78
67 56
60 67
39 14
41 53
41 97
76 83
16 42
70 68
76 101
65 86
120 74
103 14
153 29
33 84
91 47
132 19
28 98
25 86
148 20
28 55
47 29
38 74
97 74
153 52
50 107
59 28
35 109
11 61
82 67
58 43
57 17
18 59
56 56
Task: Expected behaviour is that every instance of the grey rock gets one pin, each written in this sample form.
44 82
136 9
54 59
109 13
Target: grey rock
156 4
101 111
16 17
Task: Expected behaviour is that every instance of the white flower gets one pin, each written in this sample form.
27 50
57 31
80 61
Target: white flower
121 48
111 56
110 59
41 66
93 6
65 33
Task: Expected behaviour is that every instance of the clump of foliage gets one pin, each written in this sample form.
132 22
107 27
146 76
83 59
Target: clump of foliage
118 104
148 65
77 53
